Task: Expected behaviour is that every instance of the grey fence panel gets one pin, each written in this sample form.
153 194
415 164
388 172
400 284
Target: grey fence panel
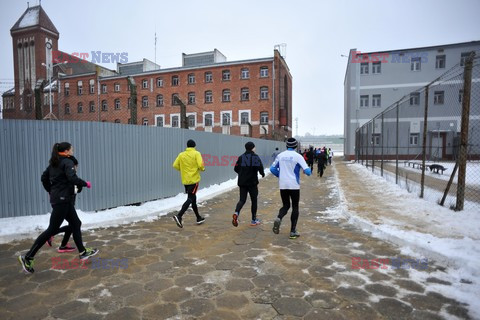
126 164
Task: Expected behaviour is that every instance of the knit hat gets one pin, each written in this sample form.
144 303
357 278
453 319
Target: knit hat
249 146
291 143
191 143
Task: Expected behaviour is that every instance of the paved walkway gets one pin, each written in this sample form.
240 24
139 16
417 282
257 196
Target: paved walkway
216 271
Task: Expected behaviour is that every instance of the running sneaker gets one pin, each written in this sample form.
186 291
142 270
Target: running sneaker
255 222
200 220
88 253
235 219
294 235
49 241
178 221
27 264
66 248
276 225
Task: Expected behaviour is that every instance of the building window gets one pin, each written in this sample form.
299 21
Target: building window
263 72
263 93
191 121
160 100
463 58
92 88
117 104
145 122
67 89
129 103
191 78
174 121
438 97
364 101
144 84
208 96
226 95
264 117
376 67
414 139
440 62
159 82
364 68
80 89
104 88
175 99
117 120
376 100
245 94
67 108
460 96
226 119
414 99
116 87
415 64
159 121
191 98
104 105
129 121
208 77
92 106
80 107
175 81
208 120
245 73
145 101
244 118
226 75
376 139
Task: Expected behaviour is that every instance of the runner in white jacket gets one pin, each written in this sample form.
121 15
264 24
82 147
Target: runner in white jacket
286 167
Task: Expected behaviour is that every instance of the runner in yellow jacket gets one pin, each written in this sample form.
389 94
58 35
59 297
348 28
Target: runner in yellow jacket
189 163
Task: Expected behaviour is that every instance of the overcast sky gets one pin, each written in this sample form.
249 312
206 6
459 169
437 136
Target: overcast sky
316 33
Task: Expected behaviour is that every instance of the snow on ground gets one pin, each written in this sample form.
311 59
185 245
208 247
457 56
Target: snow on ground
423 230
30 226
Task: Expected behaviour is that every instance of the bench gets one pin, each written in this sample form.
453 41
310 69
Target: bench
436 168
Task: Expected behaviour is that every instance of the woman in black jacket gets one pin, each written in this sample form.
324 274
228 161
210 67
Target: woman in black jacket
248 166
59 180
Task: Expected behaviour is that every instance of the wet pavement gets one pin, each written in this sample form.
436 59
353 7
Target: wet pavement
217 271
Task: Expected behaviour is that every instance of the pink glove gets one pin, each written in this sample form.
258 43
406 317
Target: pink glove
89 184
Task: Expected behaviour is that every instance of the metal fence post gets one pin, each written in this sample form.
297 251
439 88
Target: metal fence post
368 144
373 145
381 165
396 148
424 143
462 160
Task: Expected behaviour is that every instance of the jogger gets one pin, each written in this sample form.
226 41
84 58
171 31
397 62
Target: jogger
248 166
287 167
189 163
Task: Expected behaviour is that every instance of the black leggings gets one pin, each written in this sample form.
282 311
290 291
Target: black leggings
286 195
253 191
60 212
191 190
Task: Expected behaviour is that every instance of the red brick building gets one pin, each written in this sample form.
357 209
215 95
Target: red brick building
249 97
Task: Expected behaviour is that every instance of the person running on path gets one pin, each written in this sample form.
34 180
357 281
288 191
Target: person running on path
59 180
248 166
275 154
287 168
310 158
322 161
189 163
330 156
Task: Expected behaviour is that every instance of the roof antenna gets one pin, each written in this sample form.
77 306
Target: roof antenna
28 4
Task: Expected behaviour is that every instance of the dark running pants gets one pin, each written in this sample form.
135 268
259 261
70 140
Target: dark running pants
253 191
60 212
286 195
191 190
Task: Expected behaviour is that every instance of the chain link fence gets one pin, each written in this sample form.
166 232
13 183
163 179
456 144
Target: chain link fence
428 142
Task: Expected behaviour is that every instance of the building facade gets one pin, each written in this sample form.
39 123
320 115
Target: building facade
376 80
249 97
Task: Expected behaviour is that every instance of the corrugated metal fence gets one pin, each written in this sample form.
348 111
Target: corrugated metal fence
126 164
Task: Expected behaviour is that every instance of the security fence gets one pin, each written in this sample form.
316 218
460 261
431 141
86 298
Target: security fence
429 141
127 164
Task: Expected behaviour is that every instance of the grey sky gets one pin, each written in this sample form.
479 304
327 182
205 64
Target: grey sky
316 34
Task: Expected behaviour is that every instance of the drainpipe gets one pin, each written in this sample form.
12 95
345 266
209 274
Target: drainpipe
273 94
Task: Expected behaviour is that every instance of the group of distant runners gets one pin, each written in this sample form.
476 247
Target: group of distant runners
60 180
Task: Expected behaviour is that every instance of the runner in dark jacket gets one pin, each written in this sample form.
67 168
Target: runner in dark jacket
322 161
59 180
248 166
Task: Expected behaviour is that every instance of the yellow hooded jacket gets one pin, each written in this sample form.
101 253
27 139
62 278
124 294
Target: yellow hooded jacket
189 163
